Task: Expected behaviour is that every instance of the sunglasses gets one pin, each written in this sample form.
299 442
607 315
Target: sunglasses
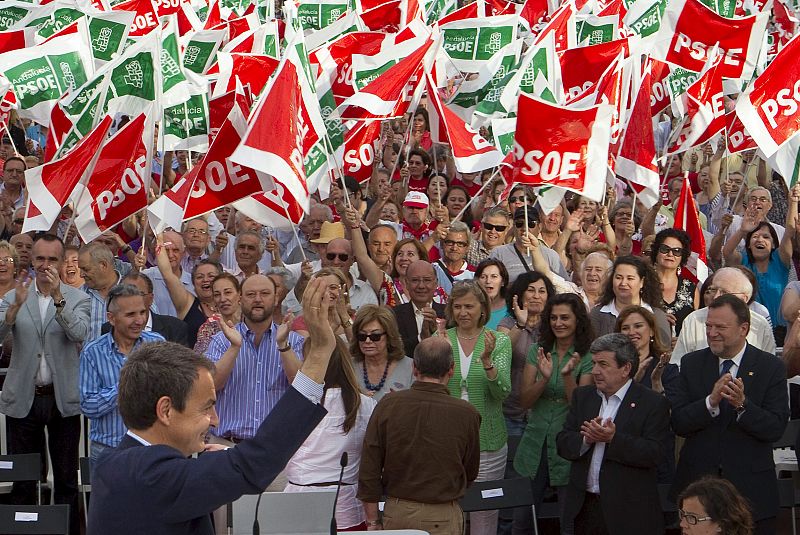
521 223
666 249
498 228
343 257
362 337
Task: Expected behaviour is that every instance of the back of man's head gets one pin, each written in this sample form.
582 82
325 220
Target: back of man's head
433 359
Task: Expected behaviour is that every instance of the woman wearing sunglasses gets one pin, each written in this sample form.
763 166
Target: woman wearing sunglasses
482 376
669 253
377 349
713 506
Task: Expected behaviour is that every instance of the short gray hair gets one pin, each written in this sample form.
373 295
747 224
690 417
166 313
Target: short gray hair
746 285
289 280
253 233
460 227
619 344
121 290
762 188
497 211
598 254
98 252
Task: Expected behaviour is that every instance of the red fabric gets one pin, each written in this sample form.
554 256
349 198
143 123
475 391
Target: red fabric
472 190
420 185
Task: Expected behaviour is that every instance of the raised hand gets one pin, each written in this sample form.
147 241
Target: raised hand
571 364
489 341
642 369
521 314
574 220
22 287
230 332
282 334
545 364
321 340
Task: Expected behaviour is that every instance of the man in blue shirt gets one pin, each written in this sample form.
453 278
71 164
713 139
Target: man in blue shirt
102 360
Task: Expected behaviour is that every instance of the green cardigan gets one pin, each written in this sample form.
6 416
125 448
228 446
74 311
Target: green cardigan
486 395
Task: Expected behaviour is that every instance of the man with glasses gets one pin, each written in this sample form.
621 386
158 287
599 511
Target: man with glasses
339 254
417 319
14 181
48 320
101 361
731 403
196 238
452 266
97 269
495 225
732 281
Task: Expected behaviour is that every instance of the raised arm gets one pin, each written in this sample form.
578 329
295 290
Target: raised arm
785 248
366 266
181 297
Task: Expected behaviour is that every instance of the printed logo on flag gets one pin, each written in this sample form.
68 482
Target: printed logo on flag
10 15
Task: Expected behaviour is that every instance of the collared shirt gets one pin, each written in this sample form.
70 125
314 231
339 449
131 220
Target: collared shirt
737 361
611 307
149 325
188 262
97 314
161 297
477 252
608 410
509 257
419 319
43 376
256 383
101 362
466 273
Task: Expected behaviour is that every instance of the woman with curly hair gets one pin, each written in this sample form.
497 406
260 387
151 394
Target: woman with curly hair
631 282
713 506
669 253
556 366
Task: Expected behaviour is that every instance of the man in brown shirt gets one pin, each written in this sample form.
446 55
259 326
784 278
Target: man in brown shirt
422 447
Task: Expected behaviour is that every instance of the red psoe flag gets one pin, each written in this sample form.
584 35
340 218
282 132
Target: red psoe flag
558 146
686 219
705 110
50 185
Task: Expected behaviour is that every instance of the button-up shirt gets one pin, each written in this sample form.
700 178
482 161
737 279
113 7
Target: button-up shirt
161 298
256 383
608 410
734 370
43 376
97 314
101 362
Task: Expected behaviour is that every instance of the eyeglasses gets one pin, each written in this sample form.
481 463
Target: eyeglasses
691 518
18 221
343 257
362 337
666 249
519 198
6 259
713 290
760 199
194 231
498 228
453 243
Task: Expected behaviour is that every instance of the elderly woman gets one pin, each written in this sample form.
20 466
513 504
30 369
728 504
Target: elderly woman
377 351
482 376
713 506
555 367
631 282
226 292
492 275
625 222
70 272
453 266
495 227
669 254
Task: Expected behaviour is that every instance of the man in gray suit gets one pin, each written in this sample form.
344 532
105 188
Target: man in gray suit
48 320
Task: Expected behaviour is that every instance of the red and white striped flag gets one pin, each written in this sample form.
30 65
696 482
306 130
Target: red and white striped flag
686 219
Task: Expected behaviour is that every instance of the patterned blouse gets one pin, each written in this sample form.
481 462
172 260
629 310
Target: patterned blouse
683 305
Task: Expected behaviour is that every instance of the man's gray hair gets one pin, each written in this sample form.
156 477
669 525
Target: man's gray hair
324 207
199 218
758 188
598 254
253 233
460 227
121 290
496 211
622 347
289 280
745 284
98 252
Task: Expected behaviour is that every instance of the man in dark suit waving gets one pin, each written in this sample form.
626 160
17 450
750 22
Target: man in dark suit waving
166 399
416 320
614 436
730 401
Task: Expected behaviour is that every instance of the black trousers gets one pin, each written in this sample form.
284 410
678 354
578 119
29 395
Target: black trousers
590 519
26 435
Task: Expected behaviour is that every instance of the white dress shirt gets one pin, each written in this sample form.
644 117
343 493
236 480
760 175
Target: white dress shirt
737 361
43 376
608 410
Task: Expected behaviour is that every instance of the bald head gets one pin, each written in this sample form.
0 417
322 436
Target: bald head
420 268
433 360
729 280
338 254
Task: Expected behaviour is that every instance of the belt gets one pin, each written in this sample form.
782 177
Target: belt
44 390
326 484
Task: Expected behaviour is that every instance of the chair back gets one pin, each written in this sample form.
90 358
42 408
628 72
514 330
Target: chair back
498 494
22 467
34 519
789 438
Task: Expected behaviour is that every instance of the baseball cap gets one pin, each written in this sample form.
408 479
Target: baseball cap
416 199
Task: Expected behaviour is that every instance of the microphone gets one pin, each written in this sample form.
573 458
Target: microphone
343 464
256 527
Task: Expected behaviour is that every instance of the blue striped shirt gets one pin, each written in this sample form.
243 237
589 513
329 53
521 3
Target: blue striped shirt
97 315
101 361
256 383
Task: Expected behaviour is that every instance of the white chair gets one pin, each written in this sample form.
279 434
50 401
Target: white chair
285 513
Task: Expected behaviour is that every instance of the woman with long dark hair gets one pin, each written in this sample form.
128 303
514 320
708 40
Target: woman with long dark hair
669 253
316 466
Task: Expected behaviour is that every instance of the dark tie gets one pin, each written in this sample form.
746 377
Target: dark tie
724 406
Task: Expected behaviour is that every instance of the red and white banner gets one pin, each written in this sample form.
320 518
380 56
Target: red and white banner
335 59
557 146
471 152
276 208
738 138
705 110
167 211
769 107
687 219
581 68
360 148
563 28
636 160
118 186
252 70
689 32
145 17
50 185
785 24
659 88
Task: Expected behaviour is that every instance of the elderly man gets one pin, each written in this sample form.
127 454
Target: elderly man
101 361
614 435
416 433
249 249
452 266
310 228
416 320
693 333
97 269
23 244
731 403
49 320
226 243
495 225
173 244
381 243
13 186
196 237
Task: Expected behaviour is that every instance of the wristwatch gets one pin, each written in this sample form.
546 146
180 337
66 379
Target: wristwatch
61 303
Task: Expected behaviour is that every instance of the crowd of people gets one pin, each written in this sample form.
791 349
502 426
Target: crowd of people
478 338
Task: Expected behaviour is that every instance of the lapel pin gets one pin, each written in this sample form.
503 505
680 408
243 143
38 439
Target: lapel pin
633 405
750 374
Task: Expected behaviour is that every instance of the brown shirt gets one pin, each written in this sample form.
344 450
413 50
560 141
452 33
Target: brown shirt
421 444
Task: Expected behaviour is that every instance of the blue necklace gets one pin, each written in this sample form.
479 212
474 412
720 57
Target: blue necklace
369 386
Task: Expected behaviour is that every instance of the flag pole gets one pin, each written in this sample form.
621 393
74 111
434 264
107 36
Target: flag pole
527 249
294 229
477 194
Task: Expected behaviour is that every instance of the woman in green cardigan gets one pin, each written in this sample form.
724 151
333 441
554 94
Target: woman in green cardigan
482 376
556 366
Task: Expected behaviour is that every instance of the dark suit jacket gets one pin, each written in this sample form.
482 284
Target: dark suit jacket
157 491
407 324
740 451
171 328
628 475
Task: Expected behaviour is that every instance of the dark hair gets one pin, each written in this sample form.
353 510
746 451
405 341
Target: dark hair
466 217
500 267
657 344
520 286
738 306
155 370
433 357
17 159
424 113
206 262
623 203
722 503
651 285
703 288
421 252
584 333
623 349
385 317
340 373
350 184
49 238
137 275
426 159
677 234
772 233
525 191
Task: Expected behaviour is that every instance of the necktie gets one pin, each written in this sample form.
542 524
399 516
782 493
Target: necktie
724 406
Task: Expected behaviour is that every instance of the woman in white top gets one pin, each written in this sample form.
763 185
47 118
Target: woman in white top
316 464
